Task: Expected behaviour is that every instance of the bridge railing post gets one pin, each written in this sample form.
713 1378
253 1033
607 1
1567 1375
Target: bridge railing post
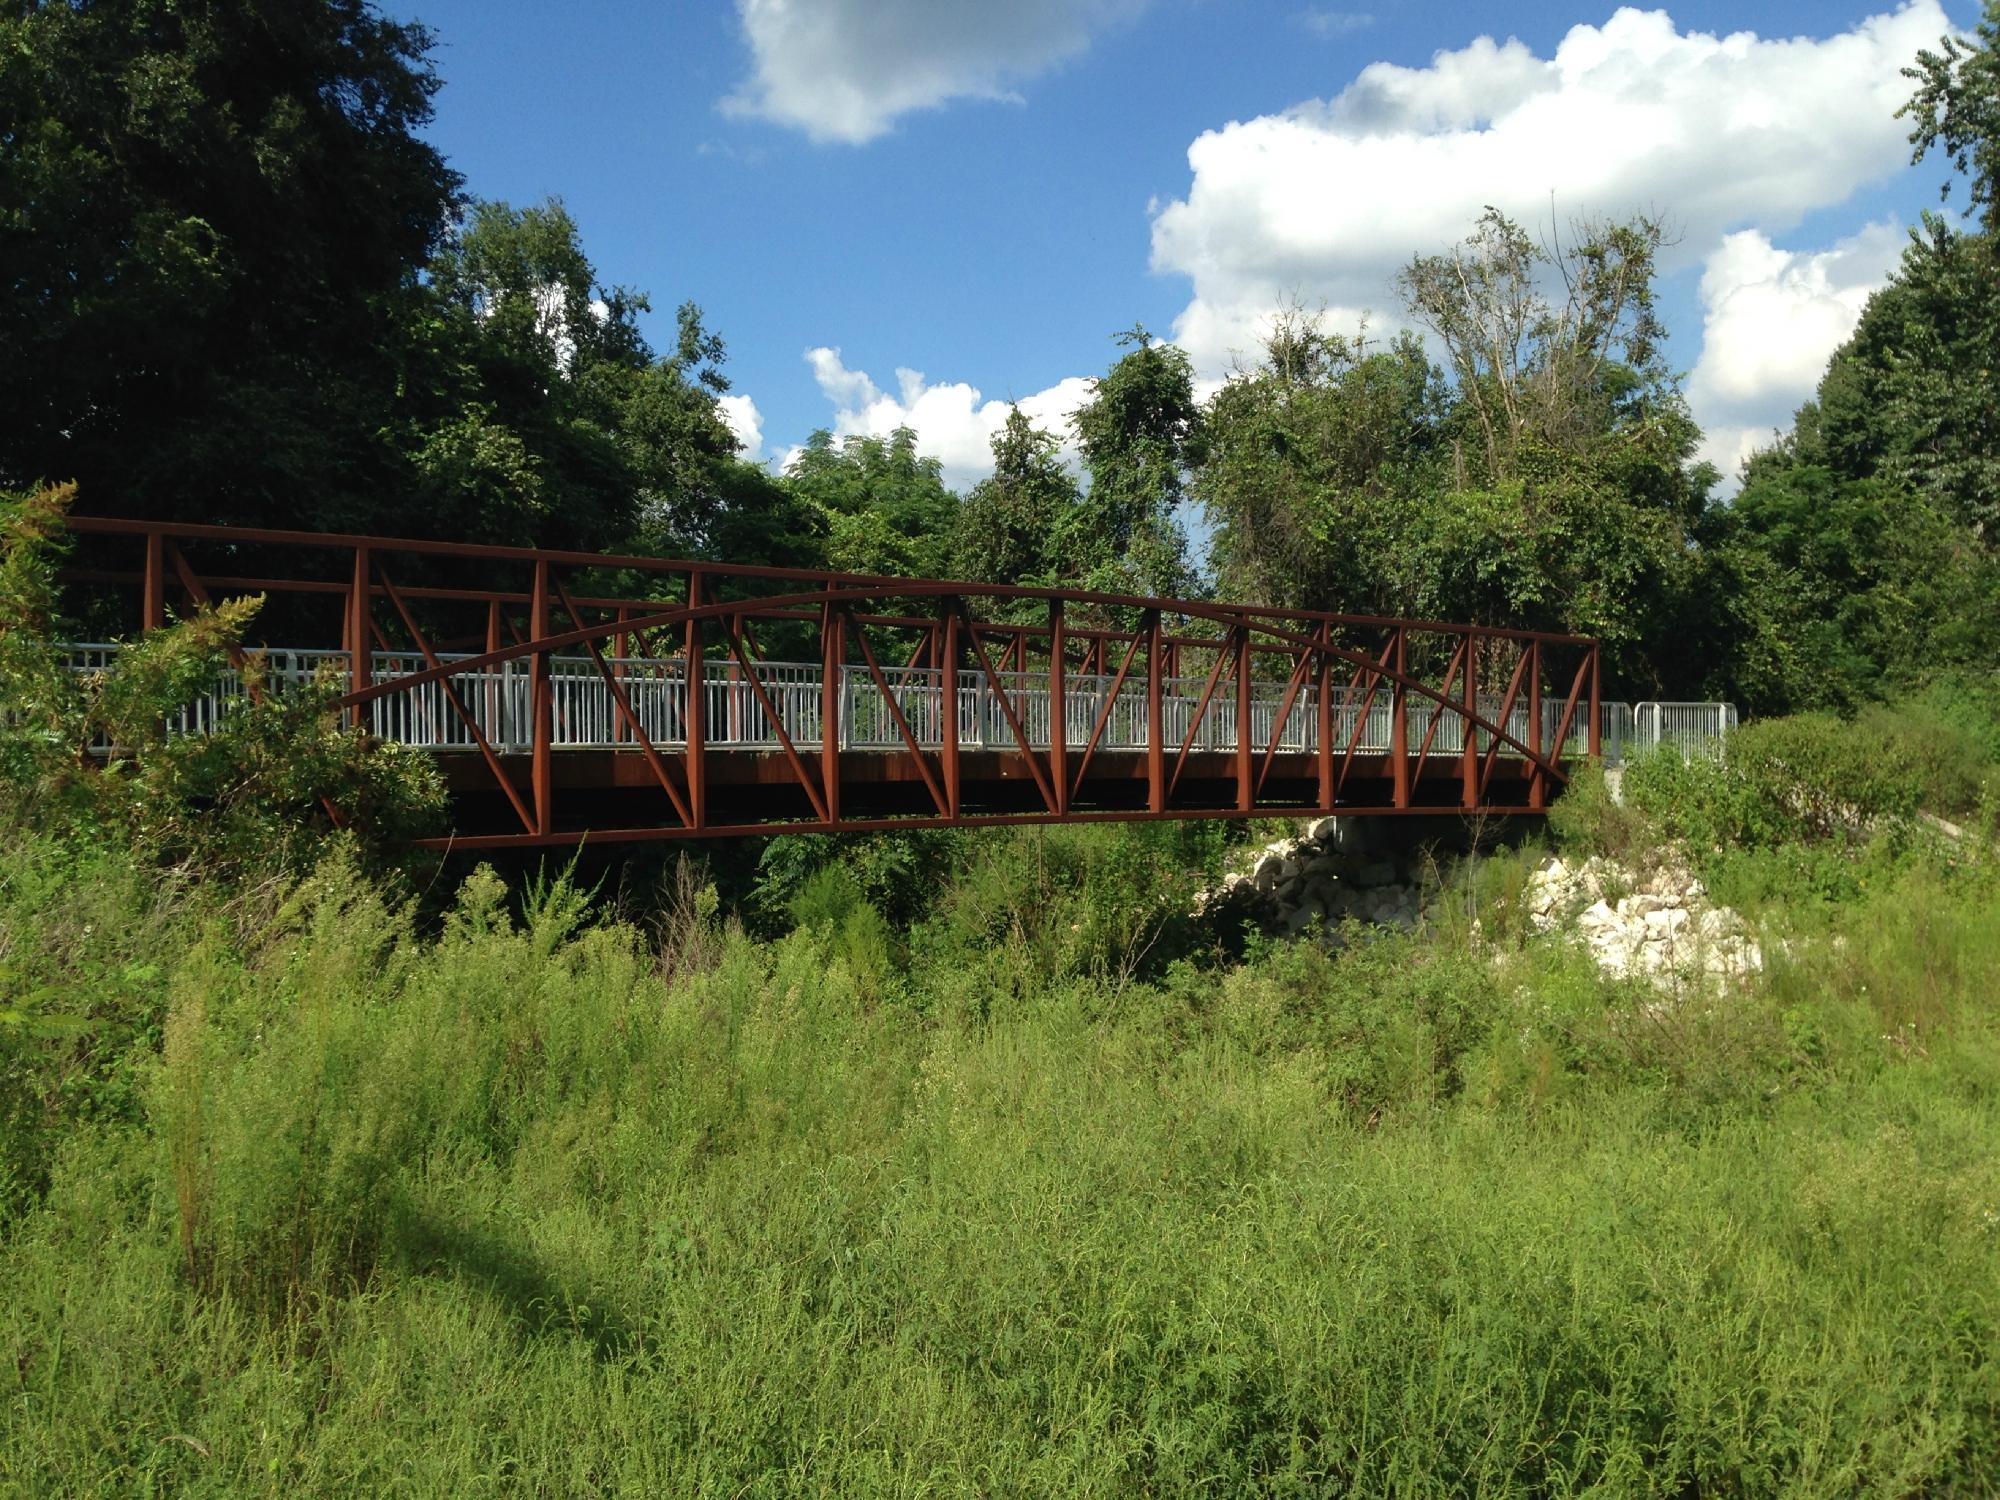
833 655
542 703
1468 695
1399 725
694 711
1537 790
1595 731
153 608
1324 686
948 707
622 729
1156 744
359 661
1244 720
1058 710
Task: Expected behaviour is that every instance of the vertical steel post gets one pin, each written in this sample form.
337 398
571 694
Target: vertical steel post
695 711
621 647
155 604
1058 710
1243 722
543 703
495 725
1325 686
1156 745
833 654
359 661
1468 697
1596 707
1399 724
948 707
1537 791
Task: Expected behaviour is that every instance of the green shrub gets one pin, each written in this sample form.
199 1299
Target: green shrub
1586 819
1038 906
1807 779
831 902
268 791
86 937
899 872
1939 743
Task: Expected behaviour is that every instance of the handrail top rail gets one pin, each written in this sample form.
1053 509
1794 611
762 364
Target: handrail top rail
863 585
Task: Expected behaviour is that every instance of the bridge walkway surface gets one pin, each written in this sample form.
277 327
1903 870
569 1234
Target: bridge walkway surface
557 695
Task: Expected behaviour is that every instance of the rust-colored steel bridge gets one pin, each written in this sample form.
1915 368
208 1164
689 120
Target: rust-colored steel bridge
572 695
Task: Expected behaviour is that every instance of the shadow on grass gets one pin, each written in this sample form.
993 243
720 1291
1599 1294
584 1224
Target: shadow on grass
537 1302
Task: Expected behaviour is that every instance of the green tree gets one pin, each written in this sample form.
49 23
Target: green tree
1140 434
1311 463
1842 592
1957 111
213 218
1561 372
1547 483
884 507
1011 527
548 417
1862 550
1914 395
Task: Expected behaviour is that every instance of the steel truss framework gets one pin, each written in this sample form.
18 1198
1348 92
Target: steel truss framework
1467 719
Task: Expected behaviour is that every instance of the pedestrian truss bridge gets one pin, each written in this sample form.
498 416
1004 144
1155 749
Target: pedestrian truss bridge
555 688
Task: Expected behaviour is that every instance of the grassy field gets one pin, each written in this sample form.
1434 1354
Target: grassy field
523 1200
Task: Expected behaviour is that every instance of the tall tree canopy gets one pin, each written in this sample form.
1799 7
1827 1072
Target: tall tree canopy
213 216
1139 433
1865 545
545 414
883 506
1016 524
242 288
1313 461
1545 480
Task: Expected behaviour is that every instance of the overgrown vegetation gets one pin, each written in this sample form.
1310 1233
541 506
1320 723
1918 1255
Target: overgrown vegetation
937 1161
1000 1198
96 753
982 1161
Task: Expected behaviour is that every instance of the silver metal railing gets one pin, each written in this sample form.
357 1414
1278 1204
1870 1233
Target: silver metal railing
586 715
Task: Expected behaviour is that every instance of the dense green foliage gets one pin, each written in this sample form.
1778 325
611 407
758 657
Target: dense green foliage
211 219
262 792
943 1161
198 335
516 1198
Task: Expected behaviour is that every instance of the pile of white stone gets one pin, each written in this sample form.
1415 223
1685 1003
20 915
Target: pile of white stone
1336 870
1655 924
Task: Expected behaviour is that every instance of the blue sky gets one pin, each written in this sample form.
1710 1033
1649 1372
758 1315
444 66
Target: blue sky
984 193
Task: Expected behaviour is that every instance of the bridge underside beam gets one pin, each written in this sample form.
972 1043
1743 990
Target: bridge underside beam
613 795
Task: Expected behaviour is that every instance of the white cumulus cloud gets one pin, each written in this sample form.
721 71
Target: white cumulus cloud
1328 200
741 413
1770 318
954 423
844 70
